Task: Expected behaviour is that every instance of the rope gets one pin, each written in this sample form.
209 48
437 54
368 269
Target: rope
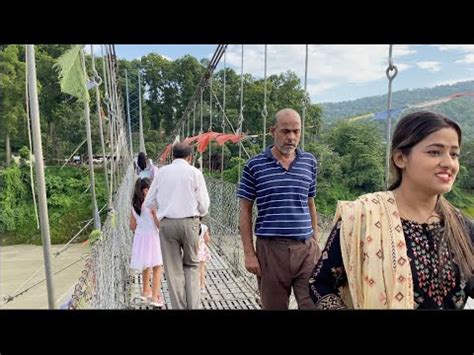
304 99
264 111
74 152
113 119
194 119
241 119
187 131
116 118
106 79
223 117
32 185
200 106
183 131
142 139
95 211
210 121
241 116
101 129
128 115
390 77
194 130
228 121
200 132
107 103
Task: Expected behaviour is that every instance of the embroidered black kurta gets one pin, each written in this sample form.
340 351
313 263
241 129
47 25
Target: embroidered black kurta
436 281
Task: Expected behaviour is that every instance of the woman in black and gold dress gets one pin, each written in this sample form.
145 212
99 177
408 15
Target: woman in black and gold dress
406 248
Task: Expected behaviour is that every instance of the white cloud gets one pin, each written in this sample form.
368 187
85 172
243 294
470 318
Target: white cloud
467 59
329 66
402 50
431 66
468 49
317 89
403 66
456 47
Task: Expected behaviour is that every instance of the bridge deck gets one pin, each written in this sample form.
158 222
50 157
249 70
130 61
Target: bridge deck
224 290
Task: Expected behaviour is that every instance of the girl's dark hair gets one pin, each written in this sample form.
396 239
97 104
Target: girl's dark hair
411 130
141 160
138 196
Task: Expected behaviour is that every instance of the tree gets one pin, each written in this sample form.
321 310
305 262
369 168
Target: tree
159 98
466 181
12 94
52 102
361 150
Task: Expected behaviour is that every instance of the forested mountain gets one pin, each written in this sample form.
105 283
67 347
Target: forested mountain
460 109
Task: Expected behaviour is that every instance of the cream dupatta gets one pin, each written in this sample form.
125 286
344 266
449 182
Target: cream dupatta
374 253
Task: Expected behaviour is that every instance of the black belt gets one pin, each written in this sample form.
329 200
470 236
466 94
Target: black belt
193 217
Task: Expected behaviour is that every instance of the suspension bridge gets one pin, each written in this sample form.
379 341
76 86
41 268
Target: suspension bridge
106 281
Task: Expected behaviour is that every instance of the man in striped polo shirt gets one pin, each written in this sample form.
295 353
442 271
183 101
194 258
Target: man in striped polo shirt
282 180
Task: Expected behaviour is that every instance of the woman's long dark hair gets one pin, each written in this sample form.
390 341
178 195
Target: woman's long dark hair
411 130
138 195
142 160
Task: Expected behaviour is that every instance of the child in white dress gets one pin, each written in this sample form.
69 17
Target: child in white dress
203 254
146 250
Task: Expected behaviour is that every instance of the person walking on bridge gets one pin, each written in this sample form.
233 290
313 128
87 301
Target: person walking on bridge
282 181
179 194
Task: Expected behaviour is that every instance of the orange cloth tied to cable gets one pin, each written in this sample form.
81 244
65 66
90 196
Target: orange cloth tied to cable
203 140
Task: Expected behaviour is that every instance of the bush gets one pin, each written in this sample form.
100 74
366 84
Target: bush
12 199
232 174
25 153
69 204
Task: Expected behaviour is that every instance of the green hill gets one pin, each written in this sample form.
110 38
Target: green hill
460 109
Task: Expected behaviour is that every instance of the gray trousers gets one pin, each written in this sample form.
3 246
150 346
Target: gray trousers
179 239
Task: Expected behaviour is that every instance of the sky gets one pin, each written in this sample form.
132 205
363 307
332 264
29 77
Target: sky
336 72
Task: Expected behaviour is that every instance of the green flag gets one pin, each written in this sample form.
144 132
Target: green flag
71 74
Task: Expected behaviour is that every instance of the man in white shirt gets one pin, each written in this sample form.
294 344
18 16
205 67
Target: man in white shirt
180 196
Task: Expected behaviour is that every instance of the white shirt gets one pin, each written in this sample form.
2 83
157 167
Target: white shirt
178 191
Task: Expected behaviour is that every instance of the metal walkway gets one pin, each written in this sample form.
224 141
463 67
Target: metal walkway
224 290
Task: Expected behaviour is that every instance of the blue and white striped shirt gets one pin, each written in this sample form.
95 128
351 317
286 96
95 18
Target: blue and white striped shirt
281 195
